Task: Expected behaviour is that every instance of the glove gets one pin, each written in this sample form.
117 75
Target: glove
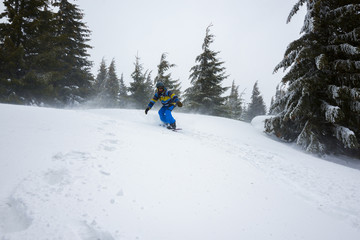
179 104
146 110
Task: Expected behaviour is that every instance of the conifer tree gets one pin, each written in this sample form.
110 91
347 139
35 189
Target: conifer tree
234 103
26 32
123 95
99 83
42 53
112 88
161 76
205 94
321 105
44 67
275 107
98 86
72 37
149 88
257 106
141 88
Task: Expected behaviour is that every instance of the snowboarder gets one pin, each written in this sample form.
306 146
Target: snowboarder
169 101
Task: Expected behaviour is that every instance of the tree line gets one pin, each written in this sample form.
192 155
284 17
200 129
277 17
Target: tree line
205 95
44 61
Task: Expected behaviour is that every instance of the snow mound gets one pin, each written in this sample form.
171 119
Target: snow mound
258 122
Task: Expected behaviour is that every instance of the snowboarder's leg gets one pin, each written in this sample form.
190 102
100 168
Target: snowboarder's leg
162 114
169 118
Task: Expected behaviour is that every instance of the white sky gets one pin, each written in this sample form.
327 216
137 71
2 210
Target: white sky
251 36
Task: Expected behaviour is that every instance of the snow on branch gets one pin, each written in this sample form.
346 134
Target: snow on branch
308 140
345 65
349 49
353 36
343 48
346 136
291 53
355 93
290 105
308 24
350 8
334 91
350 78
321 61
333 114
298 110
304 53
295 9
287 61
355 106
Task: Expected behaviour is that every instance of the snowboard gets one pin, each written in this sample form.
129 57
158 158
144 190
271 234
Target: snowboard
165 126
176 129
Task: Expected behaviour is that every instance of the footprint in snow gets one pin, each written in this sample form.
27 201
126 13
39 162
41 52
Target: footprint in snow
92 231
72 157
14 216
55 177
109 145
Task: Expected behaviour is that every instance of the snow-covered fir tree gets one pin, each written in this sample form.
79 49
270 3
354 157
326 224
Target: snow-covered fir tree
205 95
257 106
234 103
162 76
141 89
322 101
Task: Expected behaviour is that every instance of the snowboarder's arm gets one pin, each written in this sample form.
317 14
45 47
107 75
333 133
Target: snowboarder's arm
174 98
153 101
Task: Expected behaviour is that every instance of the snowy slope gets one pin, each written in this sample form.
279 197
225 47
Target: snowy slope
116 174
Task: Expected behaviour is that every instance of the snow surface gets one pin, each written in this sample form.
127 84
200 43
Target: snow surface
116 174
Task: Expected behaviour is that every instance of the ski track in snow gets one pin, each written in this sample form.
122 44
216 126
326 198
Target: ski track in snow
305 181
82 192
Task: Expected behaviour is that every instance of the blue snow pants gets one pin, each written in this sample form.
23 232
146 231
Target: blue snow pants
165 114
